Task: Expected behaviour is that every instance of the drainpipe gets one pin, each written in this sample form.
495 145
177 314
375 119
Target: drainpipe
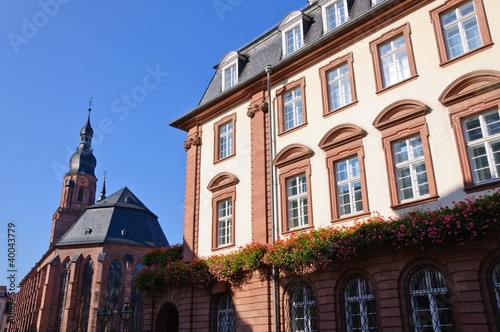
274 226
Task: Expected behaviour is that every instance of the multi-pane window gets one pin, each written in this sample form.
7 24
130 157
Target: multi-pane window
339 87
222 314
225 140
359 309
230 76
224 222
292 108
461 30
495 291
336 14
375 2
394 61
482 136
430 301
296 187
293 39
409 163
302 309
349 195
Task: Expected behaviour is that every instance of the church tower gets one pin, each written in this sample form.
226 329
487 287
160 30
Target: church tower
79 187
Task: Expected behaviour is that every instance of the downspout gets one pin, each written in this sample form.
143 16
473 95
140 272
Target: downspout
275 272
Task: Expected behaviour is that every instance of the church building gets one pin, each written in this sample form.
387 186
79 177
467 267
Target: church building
85 280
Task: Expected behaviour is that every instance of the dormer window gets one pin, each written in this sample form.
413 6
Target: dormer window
230 67
376 2
292 32
230 76
335 14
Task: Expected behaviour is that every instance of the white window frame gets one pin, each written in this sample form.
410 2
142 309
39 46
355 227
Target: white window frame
410 163
351 178
294 107
297 39
224 222
297 202
364 294
432 293
232 69
459 23
226 138
340 83
376 2
335 5
485 141
399 68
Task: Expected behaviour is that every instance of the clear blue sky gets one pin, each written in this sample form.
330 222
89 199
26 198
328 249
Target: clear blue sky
144 63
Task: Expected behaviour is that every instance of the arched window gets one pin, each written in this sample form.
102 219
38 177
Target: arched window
494 281
86 297
301 309
429 301
65 275
114 283
357 301
136 298
222 317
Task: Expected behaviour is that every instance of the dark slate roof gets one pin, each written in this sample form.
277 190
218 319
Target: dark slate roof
267 49
121 219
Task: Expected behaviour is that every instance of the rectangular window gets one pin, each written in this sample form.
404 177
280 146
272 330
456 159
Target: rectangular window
393 58
394 61
296 188
225 140
336 14
293 39
411 173
482 136
349 194
230 76
461 28
339 87
224 222
292 108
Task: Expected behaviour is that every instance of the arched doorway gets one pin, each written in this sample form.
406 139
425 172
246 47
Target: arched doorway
168 319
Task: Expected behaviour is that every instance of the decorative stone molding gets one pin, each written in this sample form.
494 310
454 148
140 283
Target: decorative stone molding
190 141
261 106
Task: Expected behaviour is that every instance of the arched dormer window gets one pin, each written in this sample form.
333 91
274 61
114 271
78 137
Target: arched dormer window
405 140
473 101
343 146
231 65
292 29
223 188
295 187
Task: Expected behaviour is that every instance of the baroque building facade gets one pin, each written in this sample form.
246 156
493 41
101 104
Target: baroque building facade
85 280
344 110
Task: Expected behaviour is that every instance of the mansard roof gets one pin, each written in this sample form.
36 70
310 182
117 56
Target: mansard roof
267 49
121 219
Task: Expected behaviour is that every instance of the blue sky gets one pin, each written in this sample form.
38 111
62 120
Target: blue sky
144 63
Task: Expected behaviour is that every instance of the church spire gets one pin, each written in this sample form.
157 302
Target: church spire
103 190
83 161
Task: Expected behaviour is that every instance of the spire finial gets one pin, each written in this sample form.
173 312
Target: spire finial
103 190
90 104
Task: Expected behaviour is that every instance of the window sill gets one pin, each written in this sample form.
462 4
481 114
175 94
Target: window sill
224 159
482 186
465 55
395 85
296 229
340 109
226 246
293 129
353 216
417 201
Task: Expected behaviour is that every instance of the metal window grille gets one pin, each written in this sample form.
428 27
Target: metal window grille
429 301
494 287
357 300
301 309
222 314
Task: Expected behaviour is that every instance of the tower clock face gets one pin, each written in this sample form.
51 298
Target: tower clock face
82 181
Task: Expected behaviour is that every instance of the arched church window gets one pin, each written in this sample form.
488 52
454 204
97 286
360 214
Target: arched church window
65 275
86 296
114 283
